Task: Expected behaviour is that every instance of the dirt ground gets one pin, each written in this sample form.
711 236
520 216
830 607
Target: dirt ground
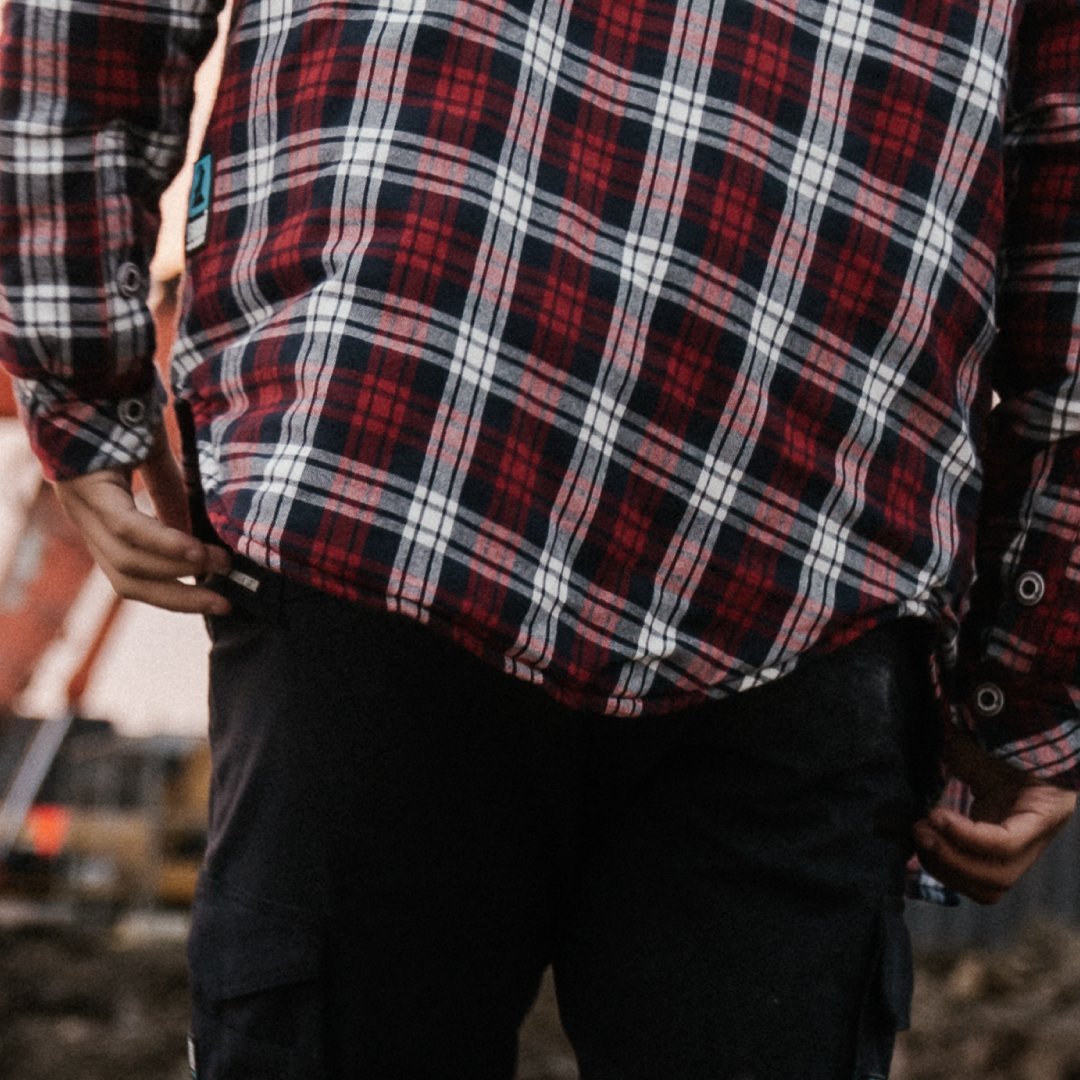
82 1006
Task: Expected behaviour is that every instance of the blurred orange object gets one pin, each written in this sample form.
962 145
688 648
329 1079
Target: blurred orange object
7 397
47 824
44 574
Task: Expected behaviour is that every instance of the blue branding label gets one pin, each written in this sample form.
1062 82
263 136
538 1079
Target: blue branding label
199 204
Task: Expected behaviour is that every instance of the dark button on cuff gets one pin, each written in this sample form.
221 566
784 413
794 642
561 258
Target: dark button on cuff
1030 588
129 279
989 699
132 412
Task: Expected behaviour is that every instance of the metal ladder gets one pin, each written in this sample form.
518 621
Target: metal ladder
29 776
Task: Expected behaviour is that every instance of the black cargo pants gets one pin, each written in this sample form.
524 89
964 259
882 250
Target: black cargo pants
403 839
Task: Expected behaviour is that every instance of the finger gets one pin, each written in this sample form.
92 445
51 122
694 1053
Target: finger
981 878
1037 814
218 559
164 481
104 500
973 873
165 485
167 593
175 596
135 561
147 547
1006 840
142 558
138 545
130 527
960 878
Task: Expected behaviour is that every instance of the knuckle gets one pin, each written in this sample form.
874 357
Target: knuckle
126 588
124 585
126 564
124 531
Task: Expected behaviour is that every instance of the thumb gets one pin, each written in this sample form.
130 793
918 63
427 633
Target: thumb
994 785
164 483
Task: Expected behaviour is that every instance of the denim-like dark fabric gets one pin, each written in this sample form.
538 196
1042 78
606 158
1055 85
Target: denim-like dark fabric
402 840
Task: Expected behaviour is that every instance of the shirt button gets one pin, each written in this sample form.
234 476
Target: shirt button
132 412
1030 588
989 699
129 279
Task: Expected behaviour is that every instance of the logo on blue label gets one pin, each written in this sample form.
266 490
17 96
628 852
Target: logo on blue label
202 183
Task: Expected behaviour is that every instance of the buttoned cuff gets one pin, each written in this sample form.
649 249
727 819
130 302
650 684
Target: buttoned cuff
1032 725
71 438
1018 679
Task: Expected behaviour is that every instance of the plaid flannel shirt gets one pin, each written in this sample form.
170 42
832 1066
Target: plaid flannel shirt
644 347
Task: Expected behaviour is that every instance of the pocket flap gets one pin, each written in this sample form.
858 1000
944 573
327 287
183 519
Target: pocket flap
241 944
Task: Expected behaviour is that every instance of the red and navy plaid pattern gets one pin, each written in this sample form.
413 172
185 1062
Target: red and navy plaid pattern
644 347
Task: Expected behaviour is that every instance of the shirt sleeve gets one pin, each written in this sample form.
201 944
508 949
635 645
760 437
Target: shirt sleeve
1020 645
95 100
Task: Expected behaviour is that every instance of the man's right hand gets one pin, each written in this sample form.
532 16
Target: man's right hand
145 557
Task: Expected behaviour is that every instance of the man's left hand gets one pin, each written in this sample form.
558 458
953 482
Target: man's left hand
1013 817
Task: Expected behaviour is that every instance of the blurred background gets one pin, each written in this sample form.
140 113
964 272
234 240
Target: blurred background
103 782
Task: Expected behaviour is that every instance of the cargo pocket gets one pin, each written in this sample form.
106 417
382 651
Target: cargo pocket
256 996
886 1006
